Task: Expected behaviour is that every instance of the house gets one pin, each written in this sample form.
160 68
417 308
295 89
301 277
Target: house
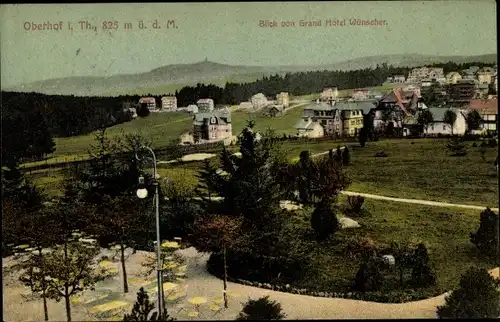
169 103
439 127
463 90
353 122
149 102
130 107
414 89
192 109
410 125
484 77
283 99
360 94
488 109
418 75
276 110
400 79
309 128
330 94
324 114
259 101
212 126
392 101
481 91
453 77
205 105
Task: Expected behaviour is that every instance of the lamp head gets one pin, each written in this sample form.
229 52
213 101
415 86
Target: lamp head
142 192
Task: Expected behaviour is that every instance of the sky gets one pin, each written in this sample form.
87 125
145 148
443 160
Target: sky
230 33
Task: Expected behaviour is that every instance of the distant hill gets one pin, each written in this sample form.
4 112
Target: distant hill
169 78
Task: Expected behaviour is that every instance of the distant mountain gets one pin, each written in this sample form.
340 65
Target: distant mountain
168 78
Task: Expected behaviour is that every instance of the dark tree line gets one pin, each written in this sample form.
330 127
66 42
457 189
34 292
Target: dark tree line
297 83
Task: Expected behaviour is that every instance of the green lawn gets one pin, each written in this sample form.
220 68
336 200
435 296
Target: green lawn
424 170
161 128
444 231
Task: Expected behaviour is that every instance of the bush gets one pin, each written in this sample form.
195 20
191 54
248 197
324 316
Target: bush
143 111
422 274
363 136
474 145
476 297
324 221
492 143
359 247
380 154
370 276
486 236
456 147
354 204
261 309
259 268
346 158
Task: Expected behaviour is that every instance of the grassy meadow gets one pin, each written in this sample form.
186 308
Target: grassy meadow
424 170
444 231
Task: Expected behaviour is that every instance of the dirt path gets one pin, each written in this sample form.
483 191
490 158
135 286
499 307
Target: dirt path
415 201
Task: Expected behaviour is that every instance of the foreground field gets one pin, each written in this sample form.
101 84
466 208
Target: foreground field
424 170
444 231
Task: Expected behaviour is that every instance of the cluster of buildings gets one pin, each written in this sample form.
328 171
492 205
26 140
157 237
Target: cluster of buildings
470 83
273 107
398 109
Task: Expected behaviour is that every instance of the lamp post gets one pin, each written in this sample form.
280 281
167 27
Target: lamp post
143 193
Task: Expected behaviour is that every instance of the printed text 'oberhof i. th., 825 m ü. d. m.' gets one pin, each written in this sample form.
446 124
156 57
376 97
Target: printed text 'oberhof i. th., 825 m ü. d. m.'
106 25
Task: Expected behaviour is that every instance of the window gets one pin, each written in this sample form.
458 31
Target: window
444 127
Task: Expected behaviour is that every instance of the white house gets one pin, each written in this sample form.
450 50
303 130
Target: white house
439 127
205 104
309 128
193 109
259 101
169 103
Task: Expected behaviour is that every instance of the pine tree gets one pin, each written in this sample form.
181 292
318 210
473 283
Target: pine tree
143 310
486 236
346 156
324 220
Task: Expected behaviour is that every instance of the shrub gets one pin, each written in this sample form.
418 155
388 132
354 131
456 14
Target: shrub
492 143
261 309
358 247
346 158
324 221
363 136
486 236
456 147
380 154
355 203
370 276
476 297
474 145
259 268
422 274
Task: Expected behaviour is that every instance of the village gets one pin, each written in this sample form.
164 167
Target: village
332 115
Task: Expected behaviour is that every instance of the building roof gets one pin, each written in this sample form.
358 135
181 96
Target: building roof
438 112
303 124
259 95
365 106
169 98
201 117
484 106
205 100
321 106
147 99
277 107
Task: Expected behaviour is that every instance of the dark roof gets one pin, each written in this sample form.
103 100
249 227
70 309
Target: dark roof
365 106
201 117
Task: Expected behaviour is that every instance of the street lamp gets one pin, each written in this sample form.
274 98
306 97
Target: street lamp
143 193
